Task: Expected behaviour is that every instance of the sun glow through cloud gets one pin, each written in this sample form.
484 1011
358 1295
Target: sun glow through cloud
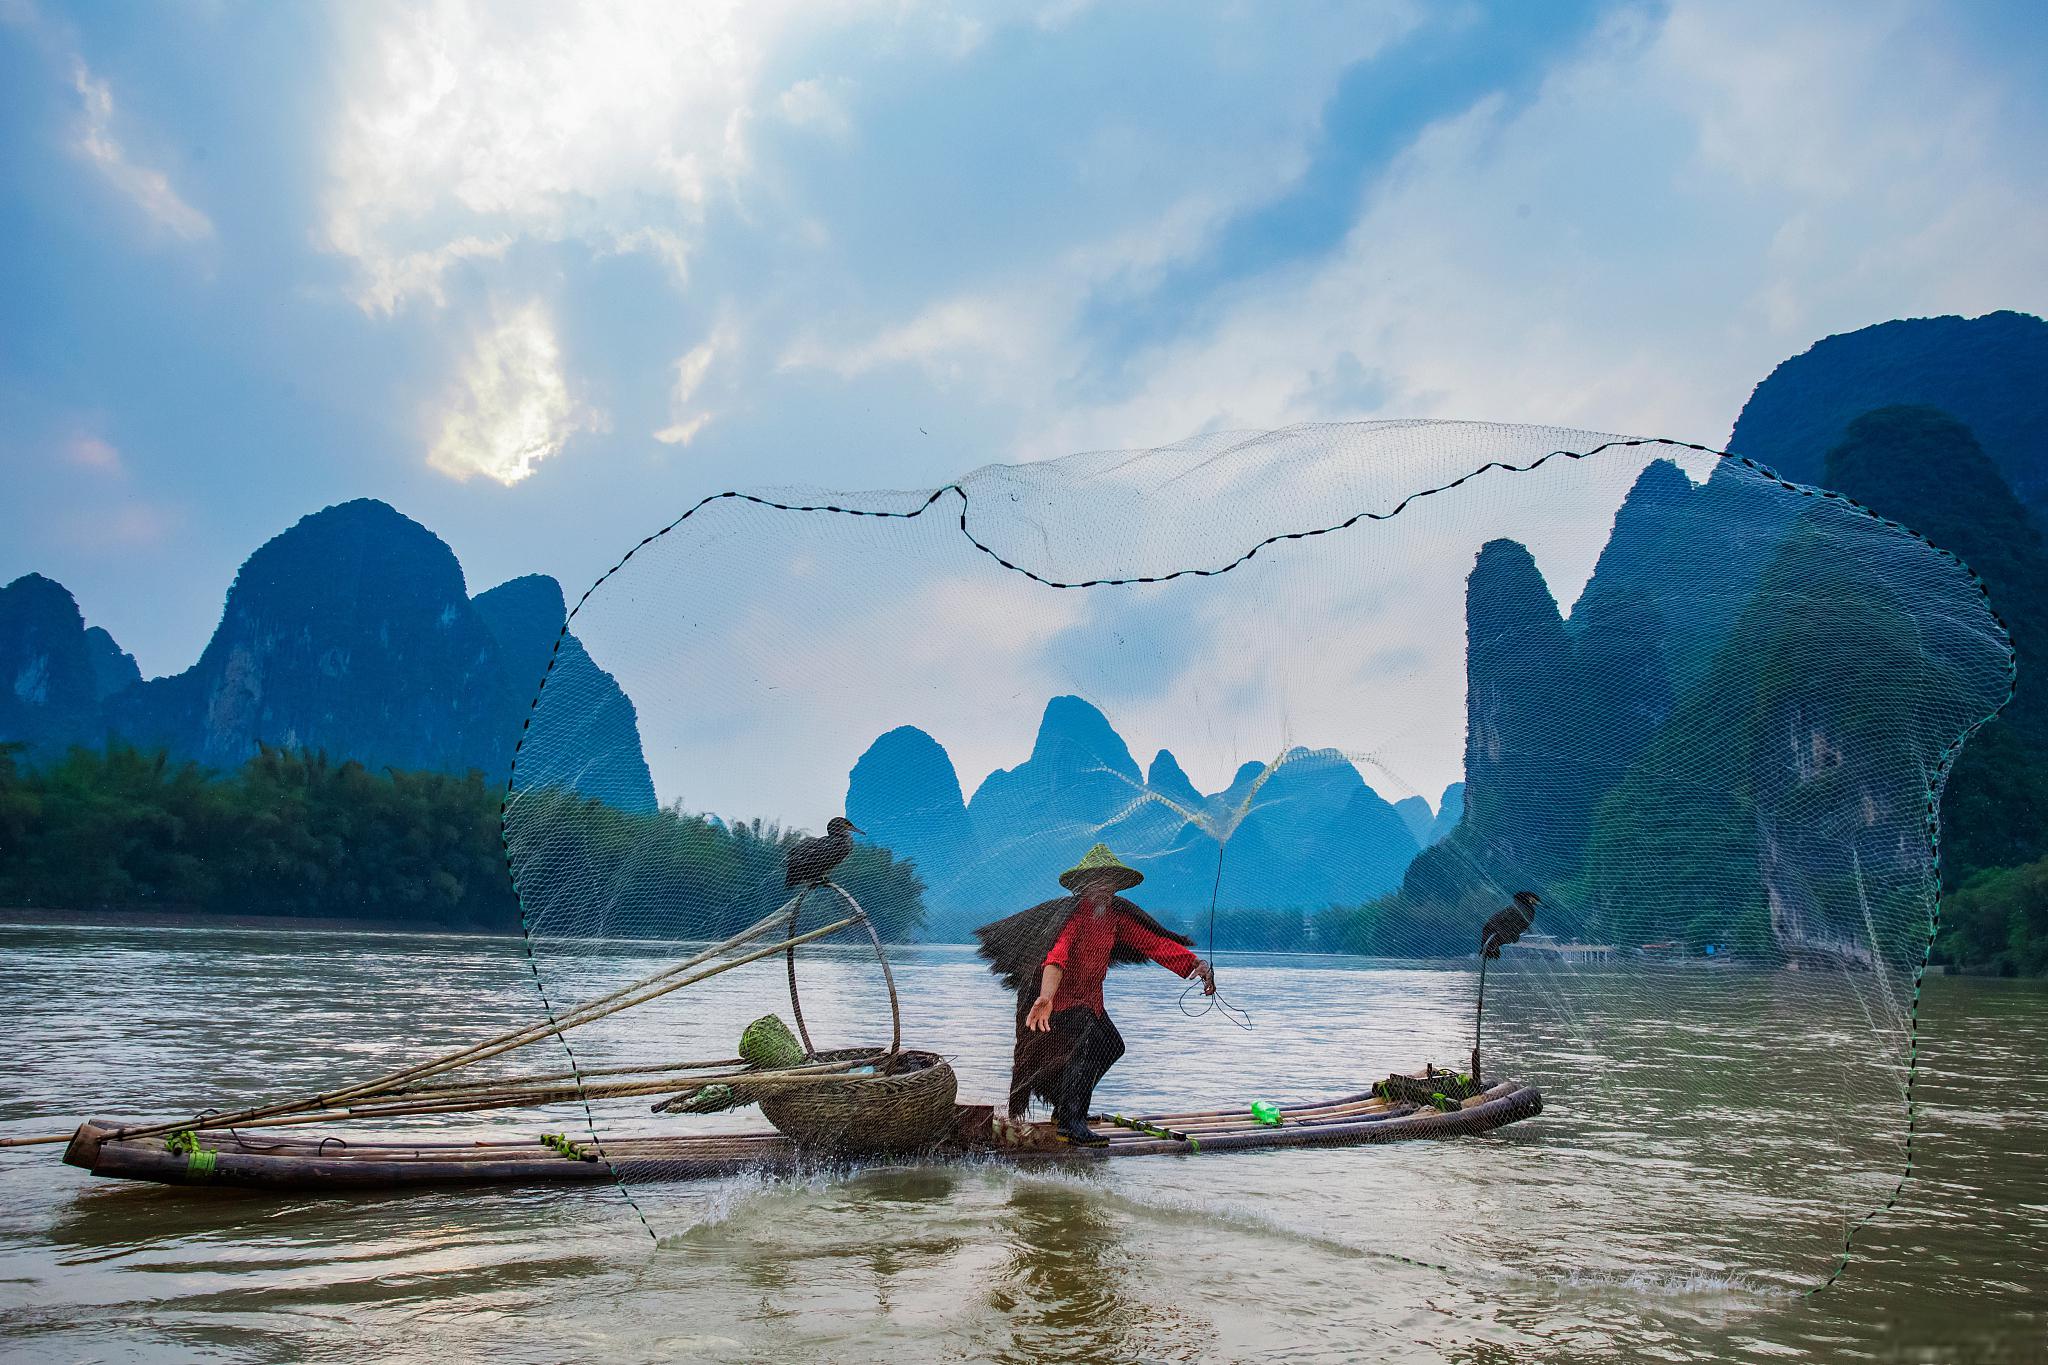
512 408
470 128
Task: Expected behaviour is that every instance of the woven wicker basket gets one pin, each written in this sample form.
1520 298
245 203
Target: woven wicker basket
904 1108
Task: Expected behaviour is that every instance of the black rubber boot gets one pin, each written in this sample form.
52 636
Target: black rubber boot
1077 1132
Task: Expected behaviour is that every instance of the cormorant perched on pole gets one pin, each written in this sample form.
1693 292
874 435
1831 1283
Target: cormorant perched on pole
1502 927
812 860
1508 923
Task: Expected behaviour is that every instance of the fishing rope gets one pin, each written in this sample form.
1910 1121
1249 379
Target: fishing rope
248 1144
1213 1000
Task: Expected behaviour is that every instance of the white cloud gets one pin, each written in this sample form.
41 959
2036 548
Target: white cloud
150 189
683 430
945 339
469 127
512 407
399 277
812 105
690 370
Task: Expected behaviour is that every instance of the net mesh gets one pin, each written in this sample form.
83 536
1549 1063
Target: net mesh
1338 693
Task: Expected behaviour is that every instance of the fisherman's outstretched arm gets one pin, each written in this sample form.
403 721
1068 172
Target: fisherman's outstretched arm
1175 957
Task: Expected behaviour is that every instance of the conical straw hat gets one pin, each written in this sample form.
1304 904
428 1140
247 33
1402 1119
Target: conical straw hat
1100 862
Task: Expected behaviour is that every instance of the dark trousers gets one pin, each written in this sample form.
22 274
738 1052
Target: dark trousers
1097 1046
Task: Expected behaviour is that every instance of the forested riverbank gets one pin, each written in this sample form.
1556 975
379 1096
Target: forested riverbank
295 836
125 835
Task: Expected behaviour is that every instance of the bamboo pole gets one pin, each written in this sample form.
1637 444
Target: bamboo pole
401 1092
569 1019
518 1038
507 1099
706 1065
796 1006
736 1069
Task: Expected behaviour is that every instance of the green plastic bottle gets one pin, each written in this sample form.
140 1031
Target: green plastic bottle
1266 1112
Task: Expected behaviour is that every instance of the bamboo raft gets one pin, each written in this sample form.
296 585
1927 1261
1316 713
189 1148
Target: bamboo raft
830 1106
277 1161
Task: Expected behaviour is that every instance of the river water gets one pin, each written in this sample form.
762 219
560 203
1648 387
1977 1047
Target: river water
1668 1205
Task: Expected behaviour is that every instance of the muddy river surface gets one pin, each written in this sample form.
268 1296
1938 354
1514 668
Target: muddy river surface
1707 1144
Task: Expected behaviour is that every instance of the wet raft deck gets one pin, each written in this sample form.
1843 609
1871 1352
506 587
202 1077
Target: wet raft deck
288 1159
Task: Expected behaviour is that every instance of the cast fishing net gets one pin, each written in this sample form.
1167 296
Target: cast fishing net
1338 692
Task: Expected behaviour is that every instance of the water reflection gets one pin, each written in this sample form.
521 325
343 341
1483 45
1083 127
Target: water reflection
1076 1285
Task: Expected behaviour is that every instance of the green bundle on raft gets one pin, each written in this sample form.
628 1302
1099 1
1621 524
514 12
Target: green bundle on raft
563 1144
766 1045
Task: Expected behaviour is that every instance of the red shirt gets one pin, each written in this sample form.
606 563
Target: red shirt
1082 954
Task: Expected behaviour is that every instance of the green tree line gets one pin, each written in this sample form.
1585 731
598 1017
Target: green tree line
298 835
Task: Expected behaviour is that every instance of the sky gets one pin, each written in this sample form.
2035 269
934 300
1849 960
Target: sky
540 276
765 649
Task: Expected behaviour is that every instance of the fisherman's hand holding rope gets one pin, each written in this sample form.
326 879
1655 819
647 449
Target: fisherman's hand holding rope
1205 972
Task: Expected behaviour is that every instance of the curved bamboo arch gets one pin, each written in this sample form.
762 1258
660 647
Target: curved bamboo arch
796 1006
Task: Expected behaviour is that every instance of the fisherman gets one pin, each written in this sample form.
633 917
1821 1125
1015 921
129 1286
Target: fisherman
1054 956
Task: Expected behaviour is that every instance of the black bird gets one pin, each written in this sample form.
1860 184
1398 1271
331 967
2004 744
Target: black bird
812 860
1508 923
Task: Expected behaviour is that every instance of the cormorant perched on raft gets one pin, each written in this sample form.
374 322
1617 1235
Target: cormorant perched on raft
812 860
1508 923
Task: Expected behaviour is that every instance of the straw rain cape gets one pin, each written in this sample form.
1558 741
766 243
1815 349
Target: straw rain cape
1015 948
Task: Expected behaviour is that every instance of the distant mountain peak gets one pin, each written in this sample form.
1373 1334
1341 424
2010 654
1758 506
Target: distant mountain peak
904 793
353 559
350 632
113 669
1990 372
1304 830
598 737
1503 555
1167 778
1449 812
907 743
535 594
51 666
351 521
1417 816
1660 477
1072 724
33 591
